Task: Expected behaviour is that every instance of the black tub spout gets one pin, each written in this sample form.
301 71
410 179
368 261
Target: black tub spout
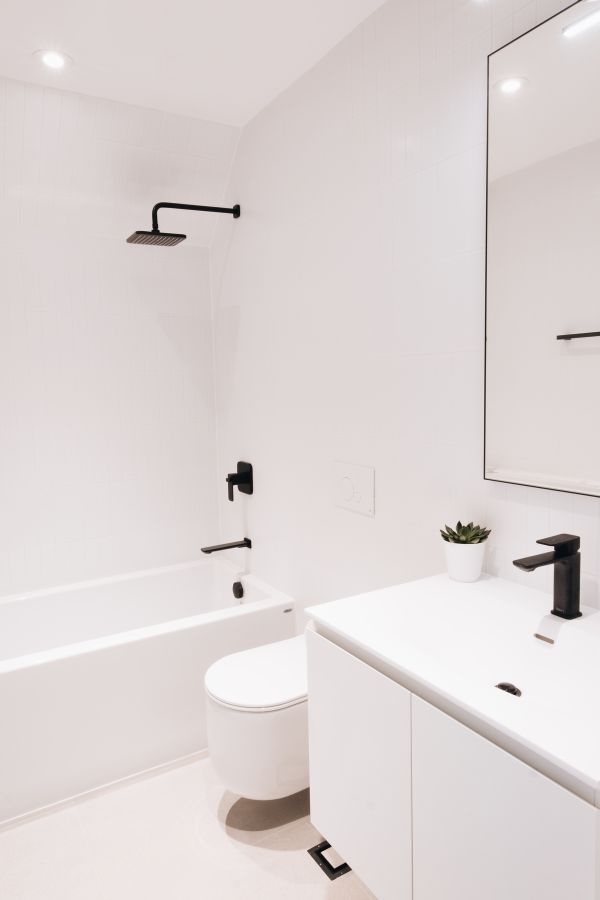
233 546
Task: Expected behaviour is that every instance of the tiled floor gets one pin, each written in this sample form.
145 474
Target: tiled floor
172 836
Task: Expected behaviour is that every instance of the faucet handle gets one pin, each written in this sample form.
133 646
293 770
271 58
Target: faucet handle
564 544
243 478
231 480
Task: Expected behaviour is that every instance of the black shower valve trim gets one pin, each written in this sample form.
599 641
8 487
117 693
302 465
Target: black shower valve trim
243 478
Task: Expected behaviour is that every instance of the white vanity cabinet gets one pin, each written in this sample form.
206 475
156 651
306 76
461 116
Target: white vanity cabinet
360 767
422 807
488 827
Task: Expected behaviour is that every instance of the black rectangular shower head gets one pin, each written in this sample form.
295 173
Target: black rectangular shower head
156 238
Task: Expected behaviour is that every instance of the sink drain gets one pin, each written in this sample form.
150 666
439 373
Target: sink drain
509 688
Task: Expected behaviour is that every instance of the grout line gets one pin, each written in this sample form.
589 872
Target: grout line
213 308
215 395
412 804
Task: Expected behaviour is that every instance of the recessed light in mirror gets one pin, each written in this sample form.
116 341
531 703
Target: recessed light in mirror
580 25
511 85
53 59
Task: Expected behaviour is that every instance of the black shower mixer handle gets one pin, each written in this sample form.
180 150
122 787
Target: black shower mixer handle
230 482
243 478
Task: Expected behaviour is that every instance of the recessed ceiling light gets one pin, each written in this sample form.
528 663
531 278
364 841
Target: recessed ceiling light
580 25
511 85
53 59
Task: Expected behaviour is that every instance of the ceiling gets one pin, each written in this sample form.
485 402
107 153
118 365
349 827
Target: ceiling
221 60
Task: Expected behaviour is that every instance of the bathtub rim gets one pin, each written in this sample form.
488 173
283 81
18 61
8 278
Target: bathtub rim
273 600
72 586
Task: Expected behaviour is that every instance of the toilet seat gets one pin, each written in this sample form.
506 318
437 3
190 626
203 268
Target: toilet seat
264 679
257 720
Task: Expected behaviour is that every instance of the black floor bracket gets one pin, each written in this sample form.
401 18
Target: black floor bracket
332 872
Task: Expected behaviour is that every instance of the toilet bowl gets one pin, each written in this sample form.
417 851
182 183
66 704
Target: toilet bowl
257 720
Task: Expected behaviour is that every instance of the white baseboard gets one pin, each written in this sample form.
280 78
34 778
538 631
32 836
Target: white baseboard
102 789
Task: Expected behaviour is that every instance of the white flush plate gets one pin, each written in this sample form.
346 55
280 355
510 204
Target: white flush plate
354 488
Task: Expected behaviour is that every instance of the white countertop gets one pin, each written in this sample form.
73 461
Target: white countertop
451 643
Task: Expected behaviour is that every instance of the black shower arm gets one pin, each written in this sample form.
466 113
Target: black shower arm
233 211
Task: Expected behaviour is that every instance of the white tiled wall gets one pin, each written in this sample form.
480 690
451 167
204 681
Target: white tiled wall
350 309
349 321
107 446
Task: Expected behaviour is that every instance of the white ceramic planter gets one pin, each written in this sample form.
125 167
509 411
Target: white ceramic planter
464 561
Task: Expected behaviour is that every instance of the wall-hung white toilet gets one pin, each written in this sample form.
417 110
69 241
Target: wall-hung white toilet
257 720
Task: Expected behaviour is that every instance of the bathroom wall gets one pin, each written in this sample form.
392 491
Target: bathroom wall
107 454
349 310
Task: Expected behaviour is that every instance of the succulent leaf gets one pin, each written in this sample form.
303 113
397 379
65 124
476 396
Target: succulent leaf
465 534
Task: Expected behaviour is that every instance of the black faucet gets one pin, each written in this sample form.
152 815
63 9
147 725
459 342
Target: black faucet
243 478
566 560
233 546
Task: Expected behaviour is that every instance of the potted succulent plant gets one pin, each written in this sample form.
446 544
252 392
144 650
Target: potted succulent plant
465 549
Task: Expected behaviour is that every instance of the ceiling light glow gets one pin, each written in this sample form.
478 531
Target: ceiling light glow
53 59
511 85
580 25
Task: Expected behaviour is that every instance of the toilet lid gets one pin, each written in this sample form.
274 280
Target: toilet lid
269 677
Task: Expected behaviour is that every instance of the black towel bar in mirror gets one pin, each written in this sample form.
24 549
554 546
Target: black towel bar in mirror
583 334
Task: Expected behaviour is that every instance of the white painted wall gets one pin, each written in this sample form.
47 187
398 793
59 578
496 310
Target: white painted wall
107 446
349 310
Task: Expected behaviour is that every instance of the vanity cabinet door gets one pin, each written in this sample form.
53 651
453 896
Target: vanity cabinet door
488 827
360 749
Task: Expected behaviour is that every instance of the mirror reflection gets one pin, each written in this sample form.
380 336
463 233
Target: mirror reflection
543 259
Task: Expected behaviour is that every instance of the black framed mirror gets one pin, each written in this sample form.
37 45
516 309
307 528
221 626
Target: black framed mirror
542 375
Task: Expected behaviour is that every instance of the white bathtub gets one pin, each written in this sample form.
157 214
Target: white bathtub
104 680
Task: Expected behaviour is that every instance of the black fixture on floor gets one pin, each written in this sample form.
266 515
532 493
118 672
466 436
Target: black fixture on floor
332 872
243 478
566 560
165 239
233 546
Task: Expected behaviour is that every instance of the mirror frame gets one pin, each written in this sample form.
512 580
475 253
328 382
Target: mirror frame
487 214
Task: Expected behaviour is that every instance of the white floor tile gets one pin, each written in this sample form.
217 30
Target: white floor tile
174 836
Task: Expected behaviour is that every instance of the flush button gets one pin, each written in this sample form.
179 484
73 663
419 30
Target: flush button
347 490
354 488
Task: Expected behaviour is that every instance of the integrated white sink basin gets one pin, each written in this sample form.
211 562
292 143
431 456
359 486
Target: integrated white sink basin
452 643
